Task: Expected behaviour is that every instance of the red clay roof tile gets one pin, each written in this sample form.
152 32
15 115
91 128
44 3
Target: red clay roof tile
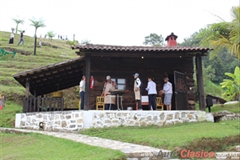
97 47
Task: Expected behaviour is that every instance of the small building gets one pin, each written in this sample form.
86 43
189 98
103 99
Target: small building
121 62
215 99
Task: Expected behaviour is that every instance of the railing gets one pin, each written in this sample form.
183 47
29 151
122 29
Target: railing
39 104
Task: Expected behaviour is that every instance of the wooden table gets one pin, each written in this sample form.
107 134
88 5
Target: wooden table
118 94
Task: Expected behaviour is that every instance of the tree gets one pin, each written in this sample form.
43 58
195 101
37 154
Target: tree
50 34
232 86
154 40
18 21
223 35
36 24
224 62
214 67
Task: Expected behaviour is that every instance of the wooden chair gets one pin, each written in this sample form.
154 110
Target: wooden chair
100 103
159 103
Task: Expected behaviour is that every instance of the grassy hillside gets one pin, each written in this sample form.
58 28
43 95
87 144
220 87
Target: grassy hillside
229 107
52 51
212 88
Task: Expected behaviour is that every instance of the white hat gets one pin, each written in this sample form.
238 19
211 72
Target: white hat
136 74
108 77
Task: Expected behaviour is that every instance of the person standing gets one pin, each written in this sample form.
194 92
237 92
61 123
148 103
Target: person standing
167 91
109 100
11 40
137 91
82 91
21 38
152 92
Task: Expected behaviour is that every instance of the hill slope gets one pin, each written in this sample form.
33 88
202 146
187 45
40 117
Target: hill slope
52 51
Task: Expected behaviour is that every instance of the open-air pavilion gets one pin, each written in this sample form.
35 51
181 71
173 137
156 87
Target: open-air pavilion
121 62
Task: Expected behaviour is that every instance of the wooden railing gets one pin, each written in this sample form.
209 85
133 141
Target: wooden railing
39 104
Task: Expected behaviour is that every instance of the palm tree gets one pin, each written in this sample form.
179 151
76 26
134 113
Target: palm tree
18 21
36 24
223 35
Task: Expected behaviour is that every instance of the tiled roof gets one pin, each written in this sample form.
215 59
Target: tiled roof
97 47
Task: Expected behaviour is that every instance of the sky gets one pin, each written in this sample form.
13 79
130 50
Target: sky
115 22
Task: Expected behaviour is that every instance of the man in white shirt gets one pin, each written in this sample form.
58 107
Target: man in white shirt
152 93
11 41
82 91
137 91
167 91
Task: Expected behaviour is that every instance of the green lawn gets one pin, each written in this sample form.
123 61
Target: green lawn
229 107
8 113
36 146
168 137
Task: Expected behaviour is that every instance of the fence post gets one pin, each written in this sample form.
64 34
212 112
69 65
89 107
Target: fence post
38 103
42 104
50 104
24 103
62 104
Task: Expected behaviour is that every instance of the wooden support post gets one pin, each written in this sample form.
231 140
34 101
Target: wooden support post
24 104
87 88
35 101
199 76
30 107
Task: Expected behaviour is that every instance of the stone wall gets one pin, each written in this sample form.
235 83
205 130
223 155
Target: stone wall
52 121
225 115
70 121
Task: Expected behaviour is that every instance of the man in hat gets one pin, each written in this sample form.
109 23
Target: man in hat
21 38
109 100
137 91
